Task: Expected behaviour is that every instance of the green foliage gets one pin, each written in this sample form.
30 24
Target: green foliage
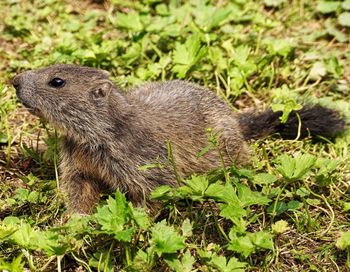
6 231
15 266
166 239
250 242
344 19
254 54
285 101
221 263
295 168
186 55
264 178
115 216
328 6
280 226
339 9
23 235
185 264
343 242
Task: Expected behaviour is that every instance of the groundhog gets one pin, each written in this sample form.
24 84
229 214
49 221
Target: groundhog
114 139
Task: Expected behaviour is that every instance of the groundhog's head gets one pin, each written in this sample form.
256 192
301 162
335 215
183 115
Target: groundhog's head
70 96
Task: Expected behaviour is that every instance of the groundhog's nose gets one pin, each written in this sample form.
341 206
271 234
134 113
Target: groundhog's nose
16 82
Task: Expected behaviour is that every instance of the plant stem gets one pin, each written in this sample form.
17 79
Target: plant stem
172 161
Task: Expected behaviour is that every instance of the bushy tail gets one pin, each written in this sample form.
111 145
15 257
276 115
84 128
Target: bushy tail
315 121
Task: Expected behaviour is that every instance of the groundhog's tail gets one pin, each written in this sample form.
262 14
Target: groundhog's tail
315 121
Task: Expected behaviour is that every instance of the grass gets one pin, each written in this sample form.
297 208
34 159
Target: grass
288 212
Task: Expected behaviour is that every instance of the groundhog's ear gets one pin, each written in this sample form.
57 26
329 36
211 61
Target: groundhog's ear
101 90
106 73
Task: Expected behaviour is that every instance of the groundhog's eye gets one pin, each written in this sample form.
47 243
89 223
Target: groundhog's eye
57 82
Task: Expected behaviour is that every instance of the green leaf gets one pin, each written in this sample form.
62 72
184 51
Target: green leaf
326 166
286 108
274 3
161 192
285 100
344 19
194 188
333 31
114 216
223 193
209 17
129 21
313 201
198 184
281 47
318 71
21 194
6 231
219 15
205 150
144 260
162 9
183 265
294 205
297 167
25 236
346 5
232 212
28 238
217 192
132 53
124 235
220 262
327 6
247 197
280 226
33 197
237 80
78 224
343 242
241 55
166 239
186 228
48 241
262 239
302 192
250 242
334 67
51 243
3 138
264 178
281 207
303 164
15 266
11 220
141 218
346 208
185 56
242 59
242 245
243 172
101 260
84 54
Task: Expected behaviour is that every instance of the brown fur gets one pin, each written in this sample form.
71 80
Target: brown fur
107 135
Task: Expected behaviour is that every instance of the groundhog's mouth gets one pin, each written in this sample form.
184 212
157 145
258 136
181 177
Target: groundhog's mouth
32 110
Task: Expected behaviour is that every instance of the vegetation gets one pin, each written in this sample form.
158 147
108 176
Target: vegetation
289 212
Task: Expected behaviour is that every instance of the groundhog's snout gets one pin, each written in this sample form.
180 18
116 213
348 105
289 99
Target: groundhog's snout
16 82
25 89
23 82
23 79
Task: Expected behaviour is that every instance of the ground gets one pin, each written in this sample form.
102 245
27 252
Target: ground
288 211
